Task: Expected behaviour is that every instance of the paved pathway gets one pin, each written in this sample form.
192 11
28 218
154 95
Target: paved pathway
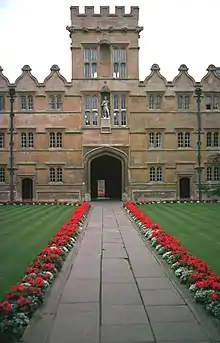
116 292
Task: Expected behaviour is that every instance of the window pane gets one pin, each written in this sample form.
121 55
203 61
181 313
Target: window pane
52 175
2 102
115 55
216 174
123 118
152 174
209 174
2 174
116 70
180 102
151 102
52 102
116 102
180 140
209 139
216 139
95 102
52 140
59 102
158 139
159 174
123 102
158 98
87 102
116 118
30 102
86 70
94 70
187 140
86 55
23 102
208 102
59 140
151 140
94 54
123 55
87 118
187 102
23 140
30 140
59 175
2 140
94 118
215 103
123 70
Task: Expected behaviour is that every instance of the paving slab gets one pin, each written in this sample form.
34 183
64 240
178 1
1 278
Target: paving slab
120 294
114 291
126 334
76 323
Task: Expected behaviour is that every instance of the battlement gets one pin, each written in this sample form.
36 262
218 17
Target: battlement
104 18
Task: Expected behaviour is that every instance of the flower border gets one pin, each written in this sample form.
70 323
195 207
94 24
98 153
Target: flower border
44 202
191 271
28 294
176 202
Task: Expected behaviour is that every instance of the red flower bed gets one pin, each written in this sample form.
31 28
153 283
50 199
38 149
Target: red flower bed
192 271
24 298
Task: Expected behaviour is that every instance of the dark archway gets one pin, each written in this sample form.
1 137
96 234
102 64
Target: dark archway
184 188
27 189
109 169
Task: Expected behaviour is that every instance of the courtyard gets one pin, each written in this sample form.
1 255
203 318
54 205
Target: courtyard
24 232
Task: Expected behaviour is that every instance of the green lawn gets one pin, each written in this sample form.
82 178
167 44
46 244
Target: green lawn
24 232
197 226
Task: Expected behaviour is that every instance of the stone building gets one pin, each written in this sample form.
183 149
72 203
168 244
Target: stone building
140 137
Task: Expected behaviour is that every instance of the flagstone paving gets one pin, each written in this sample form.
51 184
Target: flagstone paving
113 290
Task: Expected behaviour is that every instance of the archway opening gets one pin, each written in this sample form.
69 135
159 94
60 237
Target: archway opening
27 189
106 178
184 188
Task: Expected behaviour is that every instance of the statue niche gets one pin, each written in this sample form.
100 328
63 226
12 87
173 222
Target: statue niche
105 101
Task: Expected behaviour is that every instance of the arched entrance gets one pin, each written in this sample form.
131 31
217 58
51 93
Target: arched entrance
184 188
27 189
106 177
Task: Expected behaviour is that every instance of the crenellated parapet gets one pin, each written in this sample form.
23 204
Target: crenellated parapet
104 19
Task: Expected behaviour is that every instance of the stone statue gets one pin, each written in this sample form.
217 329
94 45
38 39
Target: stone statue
105 108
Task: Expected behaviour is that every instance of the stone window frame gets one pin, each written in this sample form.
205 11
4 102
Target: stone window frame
91 110
213 139
2 174
117 63
2 102
155 101
214 101
26 102
156 173
55 174
90 61
153 136
119 113
184 139
185 103
212 173
27 140
55 139
2 140
55 101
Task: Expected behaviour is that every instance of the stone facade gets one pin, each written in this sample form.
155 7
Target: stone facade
152 128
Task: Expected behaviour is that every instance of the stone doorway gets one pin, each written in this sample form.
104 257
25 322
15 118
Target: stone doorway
27 189
108 169
184 188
